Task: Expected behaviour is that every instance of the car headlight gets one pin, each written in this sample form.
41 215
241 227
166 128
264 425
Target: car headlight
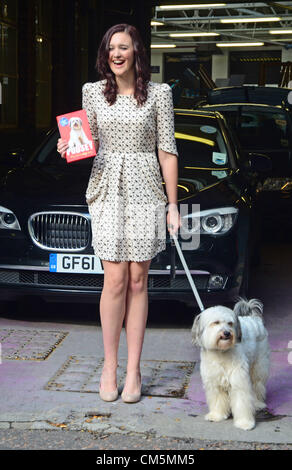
8 220
212 221
277 184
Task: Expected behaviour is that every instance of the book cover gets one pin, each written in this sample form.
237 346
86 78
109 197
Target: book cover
74 128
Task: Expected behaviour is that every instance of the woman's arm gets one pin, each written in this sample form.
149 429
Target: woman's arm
169 168
167 152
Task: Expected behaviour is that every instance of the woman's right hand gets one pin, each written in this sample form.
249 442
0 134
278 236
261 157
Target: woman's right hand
62 146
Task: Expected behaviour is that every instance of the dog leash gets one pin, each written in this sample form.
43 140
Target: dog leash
187 271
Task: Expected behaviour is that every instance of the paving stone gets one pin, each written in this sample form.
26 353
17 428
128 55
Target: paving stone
160 378
43 425
4 425
21 425
29 344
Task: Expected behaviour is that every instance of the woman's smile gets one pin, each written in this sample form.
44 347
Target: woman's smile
119 64
121 52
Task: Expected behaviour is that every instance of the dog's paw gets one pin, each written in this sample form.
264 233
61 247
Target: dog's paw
215 416
245 424
259 405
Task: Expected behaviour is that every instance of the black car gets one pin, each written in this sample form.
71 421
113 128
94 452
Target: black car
274 96
261 119
45 230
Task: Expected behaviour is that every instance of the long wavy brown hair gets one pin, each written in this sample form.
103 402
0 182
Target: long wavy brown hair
141 64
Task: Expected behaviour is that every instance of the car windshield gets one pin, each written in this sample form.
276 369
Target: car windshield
259 129
48 156
199 140
200 143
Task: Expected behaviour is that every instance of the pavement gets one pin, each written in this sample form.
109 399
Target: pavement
50 372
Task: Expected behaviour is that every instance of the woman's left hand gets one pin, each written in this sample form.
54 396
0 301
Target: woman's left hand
173 219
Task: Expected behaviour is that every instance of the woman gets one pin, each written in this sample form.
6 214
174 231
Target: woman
127 114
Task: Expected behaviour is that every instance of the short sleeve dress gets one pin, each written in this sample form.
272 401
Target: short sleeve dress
125 195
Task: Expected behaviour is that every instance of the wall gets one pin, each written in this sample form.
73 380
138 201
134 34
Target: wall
220 65
220 62
50 50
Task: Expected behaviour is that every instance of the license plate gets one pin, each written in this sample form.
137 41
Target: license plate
70 263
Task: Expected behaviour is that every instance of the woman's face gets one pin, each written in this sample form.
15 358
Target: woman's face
121 53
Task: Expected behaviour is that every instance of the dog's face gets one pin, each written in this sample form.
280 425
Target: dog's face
75 123
216 328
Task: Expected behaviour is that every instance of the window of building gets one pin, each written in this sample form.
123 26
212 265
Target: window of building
8 63
43 38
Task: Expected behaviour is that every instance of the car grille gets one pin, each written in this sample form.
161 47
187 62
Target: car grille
93 282
60 230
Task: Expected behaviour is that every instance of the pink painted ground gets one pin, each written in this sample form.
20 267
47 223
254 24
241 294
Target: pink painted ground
279 385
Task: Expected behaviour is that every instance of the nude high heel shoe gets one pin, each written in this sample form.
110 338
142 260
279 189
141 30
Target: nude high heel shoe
132 397
108 396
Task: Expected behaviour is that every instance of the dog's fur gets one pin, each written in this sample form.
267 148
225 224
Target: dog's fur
77 134
234 361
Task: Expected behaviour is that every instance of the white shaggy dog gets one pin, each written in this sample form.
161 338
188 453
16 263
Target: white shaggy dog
77 134
234 361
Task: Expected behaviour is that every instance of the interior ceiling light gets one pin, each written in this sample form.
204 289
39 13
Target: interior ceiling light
153 46
250 19
280 31
181 35
191 6
239 44
157 23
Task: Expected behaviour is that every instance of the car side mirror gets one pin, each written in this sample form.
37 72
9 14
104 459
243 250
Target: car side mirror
260 162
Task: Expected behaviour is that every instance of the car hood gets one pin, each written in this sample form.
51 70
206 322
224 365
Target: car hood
195 180
48 186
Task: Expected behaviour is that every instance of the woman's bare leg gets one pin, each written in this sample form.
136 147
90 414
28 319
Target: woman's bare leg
112 312
135 321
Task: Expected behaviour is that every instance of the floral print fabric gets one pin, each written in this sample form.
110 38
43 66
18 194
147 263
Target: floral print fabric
125 194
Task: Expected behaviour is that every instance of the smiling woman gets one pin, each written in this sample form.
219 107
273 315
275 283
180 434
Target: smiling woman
129 117
123 62
121 57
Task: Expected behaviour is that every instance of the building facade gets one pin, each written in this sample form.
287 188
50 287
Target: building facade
48 50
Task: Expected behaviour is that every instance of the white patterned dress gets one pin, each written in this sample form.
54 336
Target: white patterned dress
125 195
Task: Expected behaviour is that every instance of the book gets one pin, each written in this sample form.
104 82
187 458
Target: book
74 127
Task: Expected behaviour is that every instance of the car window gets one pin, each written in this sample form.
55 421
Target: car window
260 129
200 142
48 156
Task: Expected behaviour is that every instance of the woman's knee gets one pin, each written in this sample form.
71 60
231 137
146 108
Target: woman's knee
138 277
137 285
115 278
